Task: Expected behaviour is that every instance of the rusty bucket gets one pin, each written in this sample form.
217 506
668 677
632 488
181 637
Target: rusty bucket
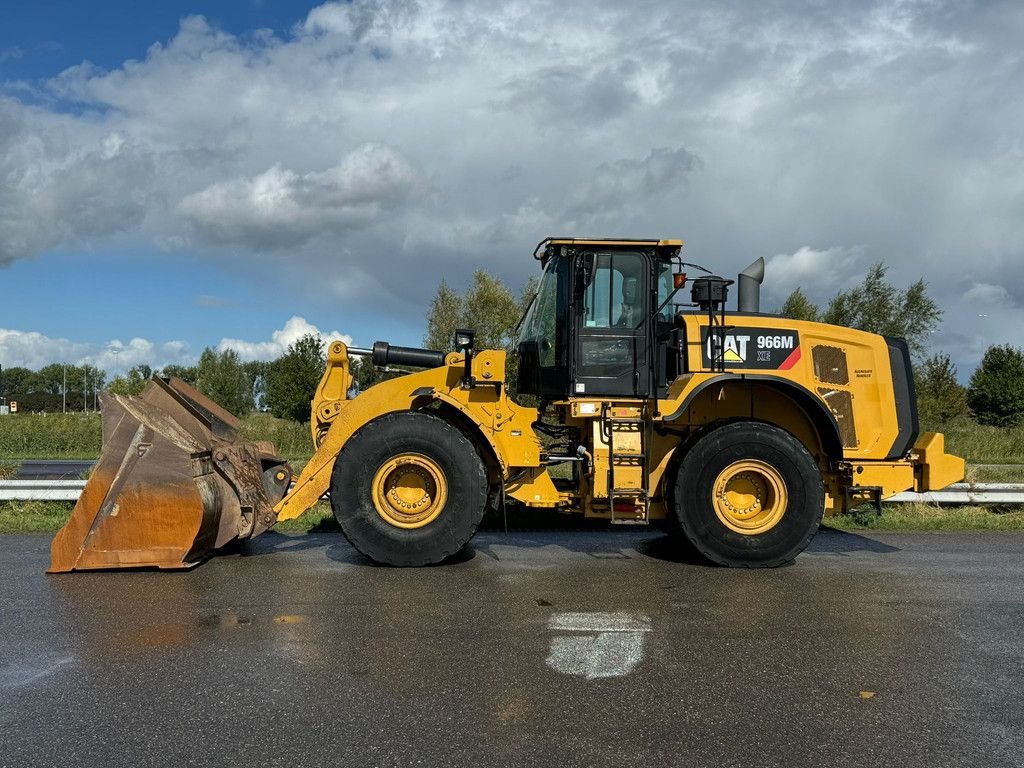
173 484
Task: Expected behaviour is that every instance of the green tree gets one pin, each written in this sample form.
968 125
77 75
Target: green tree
488 307
443 317
940 397
50 378
876 305
996 392
221 377
187 373
292 379
133 382
14 380
799 307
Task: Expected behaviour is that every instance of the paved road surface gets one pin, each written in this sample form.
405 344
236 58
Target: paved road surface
53 469
542 648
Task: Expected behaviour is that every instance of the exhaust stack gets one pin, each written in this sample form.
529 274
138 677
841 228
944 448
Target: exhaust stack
750 287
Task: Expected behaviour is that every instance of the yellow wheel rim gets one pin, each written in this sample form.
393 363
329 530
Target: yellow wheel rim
409 490
750 497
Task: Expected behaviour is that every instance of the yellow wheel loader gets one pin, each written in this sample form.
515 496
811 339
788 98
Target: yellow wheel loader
737 428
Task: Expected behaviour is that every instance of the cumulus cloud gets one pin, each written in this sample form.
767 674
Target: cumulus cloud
403 142
280 208
987 295
54 197
34 350
820 273
280 340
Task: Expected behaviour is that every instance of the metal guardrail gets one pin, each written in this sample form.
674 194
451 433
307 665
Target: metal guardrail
967 493
959 493
41 490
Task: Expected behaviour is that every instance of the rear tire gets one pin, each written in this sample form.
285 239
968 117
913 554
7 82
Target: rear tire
748 495
409 489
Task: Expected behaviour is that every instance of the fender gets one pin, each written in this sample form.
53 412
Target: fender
820 415
505 427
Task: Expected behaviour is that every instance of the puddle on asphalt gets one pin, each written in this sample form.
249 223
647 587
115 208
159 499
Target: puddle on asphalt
597 645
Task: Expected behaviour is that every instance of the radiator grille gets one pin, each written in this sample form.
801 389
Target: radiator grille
841 404
830 365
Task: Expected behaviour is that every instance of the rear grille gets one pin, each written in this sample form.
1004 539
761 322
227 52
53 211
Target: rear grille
830 365
841 404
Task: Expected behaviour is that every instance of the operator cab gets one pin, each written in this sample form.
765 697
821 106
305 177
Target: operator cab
601 324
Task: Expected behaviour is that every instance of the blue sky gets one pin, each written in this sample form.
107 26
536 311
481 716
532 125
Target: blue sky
43 38
188 174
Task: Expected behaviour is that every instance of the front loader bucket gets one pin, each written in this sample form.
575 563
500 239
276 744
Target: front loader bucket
173 484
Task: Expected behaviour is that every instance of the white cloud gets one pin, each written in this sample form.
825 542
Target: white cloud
820 273
987 295
34 350
280 340
379 146
280 208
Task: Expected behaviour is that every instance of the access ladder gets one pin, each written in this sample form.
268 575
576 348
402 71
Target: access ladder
626 429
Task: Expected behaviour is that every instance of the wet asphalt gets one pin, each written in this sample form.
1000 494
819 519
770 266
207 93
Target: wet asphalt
53 469
539 648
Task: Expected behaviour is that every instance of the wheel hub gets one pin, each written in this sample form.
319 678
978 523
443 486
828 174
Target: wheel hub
750 497
409 490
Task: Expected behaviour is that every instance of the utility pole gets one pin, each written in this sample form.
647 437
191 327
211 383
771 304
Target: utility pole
64 390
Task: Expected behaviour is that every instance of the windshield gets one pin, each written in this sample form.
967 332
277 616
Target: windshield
539 323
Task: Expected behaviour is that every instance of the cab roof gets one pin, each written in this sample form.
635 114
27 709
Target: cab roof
546 248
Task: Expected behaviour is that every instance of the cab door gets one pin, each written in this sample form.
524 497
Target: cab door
613 306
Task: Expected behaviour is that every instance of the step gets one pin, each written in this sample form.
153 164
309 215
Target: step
620 492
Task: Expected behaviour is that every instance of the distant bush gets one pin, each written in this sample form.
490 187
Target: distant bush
77 436
292 379
291 439
940 397
996 392
50 436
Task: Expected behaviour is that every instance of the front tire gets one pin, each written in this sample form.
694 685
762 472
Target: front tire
409 489
748 494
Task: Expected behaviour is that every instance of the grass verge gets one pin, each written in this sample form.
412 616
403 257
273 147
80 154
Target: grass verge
316 520
927 517
34 516
50 436
50 516
78 436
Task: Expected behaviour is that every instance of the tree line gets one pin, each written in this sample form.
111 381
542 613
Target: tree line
53 387
284 386
995 392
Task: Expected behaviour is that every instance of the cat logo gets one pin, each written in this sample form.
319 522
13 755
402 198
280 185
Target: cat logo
765 348
734 348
